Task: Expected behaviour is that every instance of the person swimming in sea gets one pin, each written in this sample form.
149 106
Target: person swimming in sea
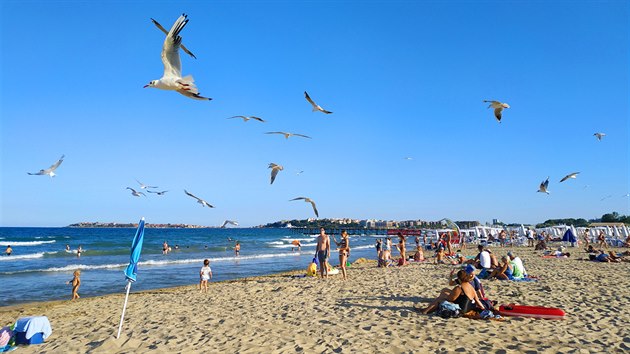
9 250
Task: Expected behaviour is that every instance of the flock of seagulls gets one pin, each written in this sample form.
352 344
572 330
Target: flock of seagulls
173 80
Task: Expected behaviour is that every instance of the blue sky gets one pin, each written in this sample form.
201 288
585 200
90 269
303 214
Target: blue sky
404 79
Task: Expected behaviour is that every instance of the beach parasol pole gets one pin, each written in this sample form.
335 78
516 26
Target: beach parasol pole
132 268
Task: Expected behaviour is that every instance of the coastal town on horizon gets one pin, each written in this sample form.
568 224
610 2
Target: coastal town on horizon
612 217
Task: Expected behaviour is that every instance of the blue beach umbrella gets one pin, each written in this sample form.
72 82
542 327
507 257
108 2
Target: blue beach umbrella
136 248
132 268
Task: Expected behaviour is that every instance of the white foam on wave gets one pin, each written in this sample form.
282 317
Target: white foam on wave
166 262
297 239
361 247
292 245
24 243
24 256
275 243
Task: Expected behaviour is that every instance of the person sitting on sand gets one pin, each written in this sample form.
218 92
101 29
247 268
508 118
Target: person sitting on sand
439 255
463 295
387 252
419 255
76 283
475 282
459 257
504 271
483 261
9 250
626 243
518 269
540 245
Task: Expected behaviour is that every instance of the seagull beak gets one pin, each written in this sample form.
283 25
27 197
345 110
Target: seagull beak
145 86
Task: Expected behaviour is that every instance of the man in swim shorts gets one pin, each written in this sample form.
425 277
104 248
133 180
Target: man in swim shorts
322 252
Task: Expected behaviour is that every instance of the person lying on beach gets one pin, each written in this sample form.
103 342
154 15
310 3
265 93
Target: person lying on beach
205 274
603 257
463 295
613 256
626 243
76 283
504 271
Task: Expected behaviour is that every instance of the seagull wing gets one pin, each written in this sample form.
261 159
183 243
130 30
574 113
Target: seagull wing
191 195
224 223
314 207
274 173
497 113
304 136
170 49
298 198
325 111
56 164
241 117
571 175
283 133
158 25
308 98
41 172
257 118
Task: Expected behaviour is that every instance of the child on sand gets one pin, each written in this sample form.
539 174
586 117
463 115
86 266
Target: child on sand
76 282
205 274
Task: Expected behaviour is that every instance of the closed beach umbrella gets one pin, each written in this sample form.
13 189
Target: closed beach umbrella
132 268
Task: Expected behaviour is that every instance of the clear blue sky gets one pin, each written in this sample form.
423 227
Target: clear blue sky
404 79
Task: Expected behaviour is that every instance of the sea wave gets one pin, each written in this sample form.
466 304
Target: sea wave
166 262
25 243
275 243
24 256
292 245
296 239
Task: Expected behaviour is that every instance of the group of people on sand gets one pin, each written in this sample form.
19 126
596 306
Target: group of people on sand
322 252
509 268
599 255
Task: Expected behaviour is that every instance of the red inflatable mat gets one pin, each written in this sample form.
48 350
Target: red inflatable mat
531 311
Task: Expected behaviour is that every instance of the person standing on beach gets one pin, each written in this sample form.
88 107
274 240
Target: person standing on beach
165 247
322 252
76 283
401 248
205 274
344 250
586 237
9 250
379 251
602 239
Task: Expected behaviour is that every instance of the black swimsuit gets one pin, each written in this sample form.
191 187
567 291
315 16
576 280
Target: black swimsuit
464 302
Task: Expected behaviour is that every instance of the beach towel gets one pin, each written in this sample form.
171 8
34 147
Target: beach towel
5 335
32 325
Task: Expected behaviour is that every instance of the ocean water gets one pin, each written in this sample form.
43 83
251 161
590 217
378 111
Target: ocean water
40 266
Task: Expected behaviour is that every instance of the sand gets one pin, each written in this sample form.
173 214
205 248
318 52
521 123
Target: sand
374 311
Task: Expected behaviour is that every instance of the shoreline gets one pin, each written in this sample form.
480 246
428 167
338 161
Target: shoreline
375 308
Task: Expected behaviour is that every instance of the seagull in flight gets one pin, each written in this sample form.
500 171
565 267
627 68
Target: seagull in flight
408 158
158 193
287 135
172 78
543 186
229 222
299 172
571 175
144 186
135 193
316 107
50 170
606 197
308 200
199 200
274 171
158 25
246 118
599 136
498 108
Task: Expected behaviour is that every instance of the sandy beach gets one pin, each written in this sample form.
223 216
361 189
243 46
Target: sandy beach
374 311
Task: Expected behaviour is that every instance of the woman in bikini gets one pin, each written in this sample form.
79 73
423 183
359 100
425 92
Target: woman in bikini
401 248
344 249
463 295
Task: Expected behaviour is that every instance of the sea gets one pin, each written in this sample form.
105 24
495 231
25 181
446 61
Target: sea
40 265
